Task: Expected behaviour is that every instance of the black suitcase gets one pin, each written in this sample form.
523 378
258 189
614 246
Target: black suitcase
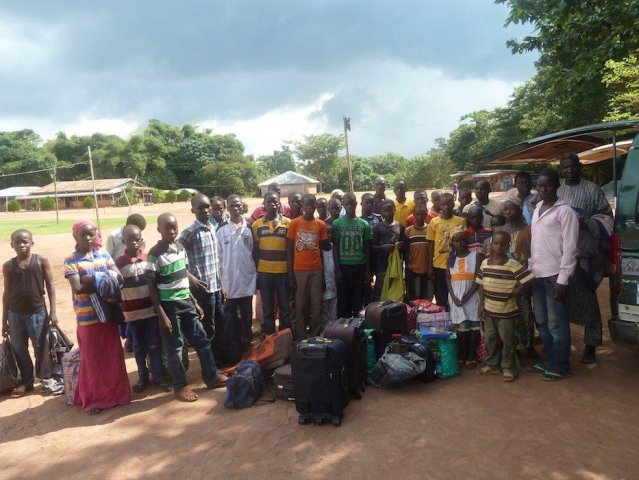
388 318
351 332
319 380
409 344
283 383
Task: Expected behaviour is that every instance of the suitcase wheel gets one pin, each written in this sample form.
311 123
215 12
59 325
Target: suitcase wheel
336 421
302 420
318 420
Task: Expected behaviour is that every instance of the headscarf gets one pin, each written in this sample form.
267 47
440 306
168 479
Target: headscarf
77 226
515 200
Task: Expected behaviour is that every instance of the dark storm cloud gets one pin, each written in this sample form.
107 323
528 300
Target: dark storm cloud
185 61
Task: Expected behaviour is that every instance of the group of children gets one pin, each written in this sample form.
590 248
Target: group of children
196 287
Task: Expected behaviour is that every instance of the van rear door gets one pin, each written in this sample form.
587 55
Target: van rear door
624 325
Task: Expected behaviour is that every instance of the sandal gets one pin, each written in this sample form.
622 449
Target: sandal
508 376
93 411
186 395
164 386
470 365
140 386
219 382
488 370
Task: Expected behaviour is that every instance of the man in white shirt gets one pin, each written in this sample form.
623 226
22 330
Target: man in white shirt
490 206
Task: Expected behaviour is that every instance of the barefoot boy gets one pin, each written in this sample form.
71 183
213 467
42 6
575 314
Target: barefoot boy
24 310
174 305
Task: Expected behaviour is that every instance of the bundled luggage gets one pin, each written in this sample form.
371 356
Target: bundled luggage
244 386
410 344
9 371
351 332
71 370
394 370
320 380
388 318
283 383
272 351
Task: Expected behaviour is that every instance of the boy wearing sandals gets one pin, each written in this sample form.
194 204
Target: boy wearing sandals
139 314
501 280
168 281
24 312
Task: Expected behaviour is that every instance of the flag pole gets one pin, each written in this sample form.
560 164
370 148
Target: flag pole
347 127
95 195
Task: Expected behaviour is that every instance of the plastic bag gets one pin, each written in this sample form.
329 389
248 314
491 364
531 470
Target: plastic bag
9 371
393 370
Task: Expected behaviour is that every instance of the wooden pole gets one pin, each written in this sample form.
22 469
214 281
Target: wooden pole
348 157
614 169
55 190
95 195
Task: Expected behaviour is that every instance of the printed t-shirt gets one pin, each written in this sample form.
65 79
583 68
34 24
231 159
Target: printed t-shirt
351 236
306 236
476 238
498 282
419 257
270 237
235 245
439 231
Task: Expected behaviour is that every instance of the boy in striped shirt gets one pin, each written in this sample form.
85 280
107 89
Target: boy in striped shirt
139 314
168 281
501 279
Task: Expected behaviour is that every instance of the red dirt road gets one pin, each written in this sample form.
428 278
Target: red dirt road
585 427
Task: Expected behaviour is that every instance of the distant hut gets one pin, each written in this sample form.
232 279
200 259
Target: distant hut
291 182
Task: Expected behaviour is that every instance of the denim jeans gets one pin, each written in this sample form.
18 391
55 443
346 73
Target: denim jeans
211 304
553 324
272 286
187 323
22 327
145 334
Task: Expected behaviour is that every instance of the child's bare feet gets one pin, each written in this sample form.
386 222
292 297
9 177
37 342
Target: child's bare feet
20 391
93 411
186 395
471 364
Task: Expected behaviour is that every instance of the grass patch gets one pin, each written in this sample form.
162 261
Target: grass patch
50 227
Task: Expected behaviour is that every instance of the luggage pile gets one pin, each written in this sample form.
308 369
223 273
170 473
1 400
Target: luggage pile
325 372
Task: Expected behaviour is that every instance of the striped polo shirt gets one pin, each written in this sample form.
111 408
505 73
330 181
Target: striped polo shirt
498 282
270 239
136 302
80 263
167 263
420 256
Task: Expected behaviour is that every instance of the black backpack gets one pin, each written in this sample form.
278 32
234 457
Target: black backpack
244 387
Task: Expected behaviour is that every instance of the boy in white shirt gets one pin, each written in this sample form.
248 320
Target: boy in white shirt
329 306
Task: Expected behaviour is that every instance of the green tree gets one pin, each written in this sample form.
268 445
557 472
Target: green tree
431 170
47 204
390 165
279 162
575 39
88 202
622 80
318 154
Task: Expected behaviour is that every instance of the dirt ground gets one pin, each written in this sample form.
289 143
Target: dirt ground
585 427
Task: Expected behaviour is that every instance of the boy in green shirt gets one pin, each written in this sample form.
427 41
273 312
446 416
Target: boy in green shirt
352 238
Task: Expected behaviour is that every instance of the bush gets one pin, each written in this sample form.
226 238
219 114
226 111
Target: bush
184 195
47 203
88 202
158 196
122 201
13 206
170 197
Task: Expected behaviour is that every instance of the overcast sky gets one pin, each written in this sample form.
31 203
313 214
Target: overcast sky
404 71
